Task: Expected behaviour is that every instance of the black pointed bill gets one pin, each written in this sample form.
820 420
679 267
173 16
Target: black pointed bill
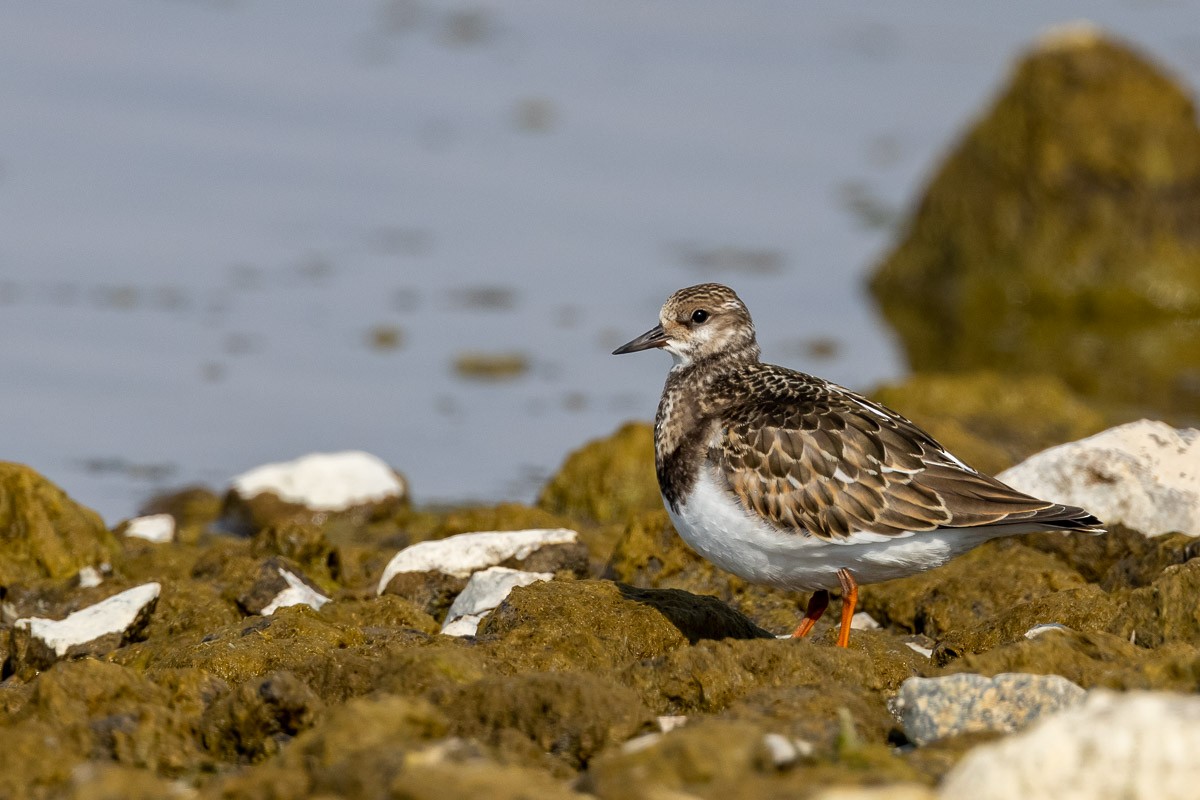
655 337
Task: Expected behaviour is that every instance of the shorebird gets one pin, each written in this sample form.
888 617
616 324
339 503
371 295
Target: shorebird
788 480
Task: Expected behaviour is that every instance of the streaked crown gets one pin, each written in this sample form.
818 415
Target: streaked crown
707 321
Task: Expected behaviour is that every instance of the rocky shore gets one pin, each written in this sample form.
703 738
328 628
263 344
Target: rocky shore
310 631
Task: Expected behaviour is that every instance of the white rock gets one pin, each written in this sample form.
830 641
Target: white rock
1045 627
936 708
1145 475
466 553
784 751
324 481
297 593
486 590
158 528
669 722
862 621
1134 746
89 578
113 615
919 650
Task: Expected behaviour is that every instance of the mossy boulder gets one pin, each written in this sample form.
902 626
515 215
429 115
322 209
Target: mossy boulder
258 717
607 479
1167 610
1060 235
43 532
992 420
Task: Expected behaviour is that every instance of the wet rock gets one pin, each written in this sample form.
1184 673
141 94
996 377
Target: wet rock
969 590
1059 237
256 719
607 479
937 708
43 533
1136 745
568 716
157 528
1144 475
313 488
483 592
374 613
98 629
432 592
279 584
989 419
466 553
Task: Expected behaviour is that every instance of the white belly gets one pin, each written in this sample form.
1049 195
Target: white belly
715 525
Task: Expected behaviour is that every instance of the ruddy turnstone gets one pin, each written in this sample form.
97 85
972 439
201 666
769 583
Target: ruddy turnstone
789 480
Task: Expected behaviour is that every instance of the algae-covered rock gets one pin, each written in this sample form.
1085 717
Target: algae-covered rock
1091 660
650 554
194 509
730 759
969 589
606 479
88 709
1120 559
569 716
1059 237
255 720
1087 608
1165 611
583 626
991 420
43 532
711 675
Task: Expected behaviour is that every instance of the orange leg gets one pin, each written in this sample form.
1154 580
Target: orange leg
816 607
849 600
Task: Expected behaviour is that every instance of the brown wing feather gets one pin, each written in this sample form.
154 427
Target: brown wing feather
810 456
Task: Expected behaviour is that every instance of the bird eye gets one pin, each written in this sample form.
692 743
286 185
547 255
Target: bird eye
699 316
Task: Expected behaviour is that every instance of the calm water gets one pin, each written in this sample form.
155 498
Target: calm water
237 232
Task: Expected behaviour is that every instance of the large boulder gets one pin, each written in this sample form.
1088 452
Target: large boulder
1059 236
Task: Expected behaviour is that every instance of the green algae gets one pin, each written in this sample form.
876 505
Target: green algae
43 532
965 592
560 720
606 479
991 420
254 720
1120 559
194 509
1165 611
1060 236
650 554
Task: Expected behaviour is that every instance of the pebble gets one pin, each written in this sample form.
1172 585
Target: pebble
118 614
936 708
486 590
1115 746
467 553
1144 475
278 587
89 578
784 751
158 528
324 481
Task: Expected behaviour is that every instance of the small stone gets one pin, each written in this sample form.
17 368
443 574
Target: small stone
98 629
669 722
279 585
467 553
324 481
936 708
783 752
483 592
1038 630
1145 475
862 621
159 528
1112 747
90 578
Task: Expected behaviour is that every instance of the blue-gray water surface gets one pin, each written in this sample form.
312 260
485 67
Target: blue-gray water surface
238 232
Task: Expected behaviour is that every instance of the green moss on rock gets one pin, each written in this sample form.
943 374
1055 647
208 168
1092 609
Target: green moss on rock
43 532
1060 236
606 479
